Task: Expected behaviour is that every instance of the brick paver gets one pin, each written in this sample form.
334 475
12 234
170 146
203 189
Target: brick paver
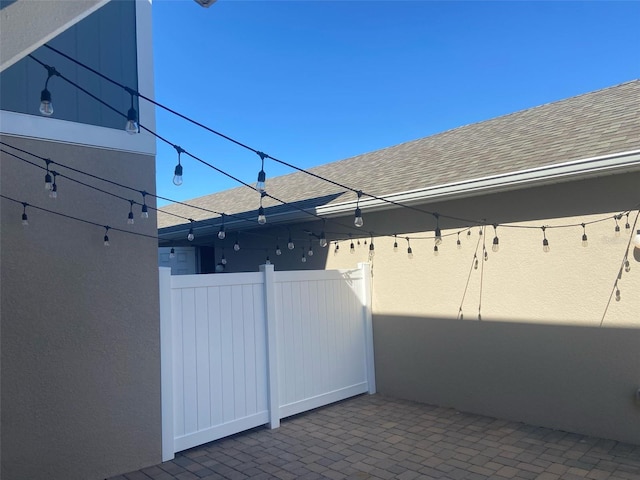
376 437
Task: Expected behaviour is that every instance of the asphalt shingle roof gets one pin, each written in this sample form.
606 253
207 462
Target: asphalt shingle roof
593 124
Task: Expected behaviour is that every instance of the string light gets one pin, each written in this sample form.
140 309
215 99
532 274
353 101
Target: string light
145 210
130 220
436 252
496 242
358 221
131 126
323 239
545 242
310 252
617 228
221 233
352 247
53 193
409 250
480 231
371 247
438 232
475 261
172 253
395 242
627 226
177 172
304 258
335 251
585 240
223 260
262 176
236 246
278 250
267 261
48 182
627 265
46 107
485 253
469 233
458 242
191 236
618 296
262 219
105 240
460 314
290 244
25 219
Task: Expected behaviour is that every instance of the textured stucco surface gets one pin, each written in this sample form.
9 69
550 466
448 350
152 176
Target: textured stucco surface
80 323
539 355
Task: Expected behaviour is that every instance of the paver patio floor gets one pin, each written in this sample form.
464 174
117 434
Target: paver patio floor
377 437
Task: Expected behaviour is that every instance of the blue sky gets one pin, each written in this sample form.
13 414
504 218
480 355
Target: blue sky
311 82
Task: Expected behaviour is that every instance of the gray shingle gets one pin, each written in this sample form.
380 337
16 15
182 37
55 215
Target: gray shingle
598 123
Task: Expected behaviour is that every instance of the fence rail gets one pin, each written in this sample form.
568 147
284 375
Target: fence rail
246 349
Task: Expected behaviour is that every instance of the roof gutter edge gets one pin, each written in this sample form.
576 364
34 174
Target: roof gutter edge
575 170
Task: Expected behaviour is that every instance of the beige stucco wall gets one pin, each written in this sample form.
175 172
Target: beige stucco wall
539 355
80 380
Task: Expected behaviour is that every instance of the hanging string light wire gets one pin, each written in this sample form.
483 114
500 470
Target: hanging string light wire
466 286
615 291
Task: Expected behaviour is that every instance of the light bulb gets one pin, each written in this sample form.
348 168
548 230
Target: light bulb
278 251
627 266
132 122
236 246
475 264
496 244
46 107
636 239
267 261
223 260
262 219
177 175
323 240
304 259
545 246
290 244
25 220
221 233
486 256
130 220
469 233
617 230
585 242
357 221
459 243
106 241
53 193
395 246
260 184
172 253
617 294
352 248
190 236
435 250
310 252
145 211
371 250
409 253
48 182
438 236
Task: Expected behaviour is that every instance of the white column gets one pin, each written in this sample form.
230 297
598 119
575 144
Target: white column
365 295
272 345
166 364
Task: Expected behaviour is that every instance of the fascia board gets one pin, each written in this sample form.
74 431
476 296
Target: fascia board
569 171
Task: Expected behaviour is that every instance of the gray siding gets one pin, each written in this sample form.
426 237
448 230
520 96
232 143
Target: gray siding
106 41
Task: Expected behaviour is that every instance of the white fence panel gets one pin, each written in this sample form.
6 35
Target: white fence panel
242 350
322 338
219 359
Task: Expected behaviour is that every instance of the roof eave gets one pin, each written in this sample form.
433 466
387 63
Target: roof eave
562 172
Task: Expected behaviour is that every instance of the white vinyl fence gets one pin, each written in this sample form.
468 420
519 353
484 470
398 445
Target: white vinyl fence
247 349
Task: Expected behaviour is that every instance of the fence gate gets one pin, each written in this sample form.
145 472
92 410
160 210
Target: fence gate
246 349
